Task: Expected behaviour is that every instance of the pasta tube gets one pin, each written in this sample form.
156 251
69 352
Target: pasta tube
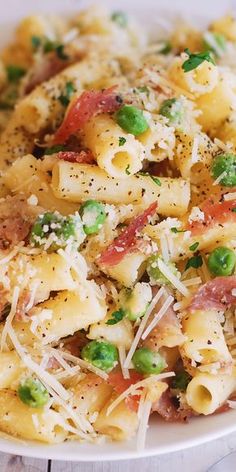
79 182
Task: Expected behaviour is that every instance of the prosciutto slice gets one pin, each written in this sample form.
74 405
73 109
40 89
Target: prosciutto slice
216 294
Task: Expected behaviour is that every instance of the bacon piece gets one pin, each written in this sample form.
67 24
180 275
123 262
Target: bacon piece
23 301
117 381
215 212
12 231
126 242
82 109
82 157
45 69
168 410
215 294
16 218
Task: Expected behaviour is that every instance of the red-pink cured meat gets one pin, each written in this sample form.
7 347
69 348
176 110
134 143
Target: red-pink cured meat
82 109
81 157
126 242
215 294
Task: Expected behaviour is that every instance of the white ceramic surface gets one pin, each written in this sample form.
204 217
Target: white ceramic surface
162 437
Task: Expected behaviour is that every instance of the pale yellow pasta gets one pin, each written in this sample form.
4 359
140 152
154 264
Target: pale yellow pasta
79 182
11 368
217 105
158 140
226 26
120 334
17 419
18 137
38 25
180 246
90 395
190 149
129 269
120 424
206 393
37 182
205 341
118 158
200 81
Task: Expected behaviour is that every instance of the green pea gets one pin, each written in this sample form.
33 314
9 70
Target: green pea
148 362
93 216
132 120
181 380
225 163
222 261
101 354
120 18
154 272
63 228
173 110
33 393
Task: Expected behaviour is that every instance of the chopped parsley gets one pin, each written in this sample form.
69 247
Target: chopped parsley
66 96
15 73
122 141
50 46
167 47
36 42
195 262
155 179
233 210
116 316
194 246
143 89
195 60
54 149
176 230
127 170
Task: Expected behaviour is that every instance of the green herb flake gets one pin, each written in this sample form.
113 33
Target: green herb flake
233 210
50 46
66 96
195 262
15 73
54 149
176 230
122 141
166 49
195 60
116 316
194 246
127 170
36 42
154 179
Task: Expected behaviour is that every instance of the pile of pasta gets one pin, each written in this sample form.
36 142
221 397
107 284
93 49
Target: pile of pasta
117 226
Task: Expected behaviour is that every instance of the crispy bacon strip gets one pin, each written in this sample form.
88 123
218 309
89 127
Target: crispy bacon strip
82 157
127 240
215 294
82 109
117 381
219 212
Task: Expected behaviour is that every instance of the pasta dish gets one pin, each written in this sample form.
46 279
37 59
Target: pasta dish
117 226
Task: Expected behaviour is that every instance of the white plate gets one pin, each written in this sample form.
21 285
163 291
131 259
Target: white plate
162 437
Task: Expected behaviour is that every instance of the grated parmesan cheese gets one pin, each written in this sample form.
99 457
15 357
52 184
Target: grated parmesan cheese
32 200
143 425
229 196
158 316
8 323
172 278
125 371
219 178
196 215
141 328
132 390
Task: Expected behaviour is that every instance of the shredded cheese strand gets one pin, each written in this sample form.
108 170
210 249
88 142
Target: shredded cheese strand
158 316
8 322
141 328
172 278
132 390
